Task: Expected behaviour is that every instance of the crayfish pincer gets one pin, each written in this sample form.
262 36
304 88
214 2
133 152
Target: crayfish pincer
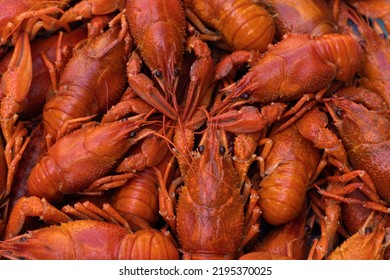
210 221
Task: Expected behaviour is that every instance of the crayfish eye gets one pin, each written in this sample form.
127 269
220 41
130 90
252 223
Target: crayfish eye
23 239
201 149
245 95
340 113
222 150
363 43
159 74
176 71
132 134
368 230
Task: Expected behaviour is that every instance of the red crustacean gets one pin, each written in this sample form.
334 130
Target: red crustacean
354 215
90 9
371 100
15 85
329 217
292 163
158 30
237 24
139 196
210 222
35 149
30 16
366 137
89 240
32 206
41 85
249 119
130 103
93 150
283 73
99 230
312 17
366 244
288 241
101 59
33 15
374 73
146 153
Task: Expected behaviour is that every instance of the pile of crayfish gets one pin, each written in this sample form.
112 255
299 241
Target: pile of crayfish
168 129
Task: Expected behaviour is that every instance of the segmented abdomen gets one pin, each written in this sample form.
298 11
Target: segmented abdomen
283 192
341 50
242 24
138 197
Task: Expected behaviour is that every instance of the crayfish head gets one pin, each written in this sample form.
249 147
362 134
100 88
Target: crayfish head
356 124
164 57
212 176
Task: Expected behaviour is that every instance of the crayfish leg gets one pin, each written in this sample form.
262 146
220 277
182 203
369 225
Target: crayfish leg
90 211
32 207
88 9
13 153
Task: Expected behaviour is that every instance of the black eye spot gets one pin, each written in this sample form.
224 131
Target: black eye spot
307 228
176 71
132 134
363 43
245 95
23 239
222 150
201 149
339 113
159 74
368 230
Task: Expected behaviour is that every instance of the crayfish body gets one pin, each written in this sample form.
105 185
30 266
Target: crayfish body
210 210
297 65
89 240
93 150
